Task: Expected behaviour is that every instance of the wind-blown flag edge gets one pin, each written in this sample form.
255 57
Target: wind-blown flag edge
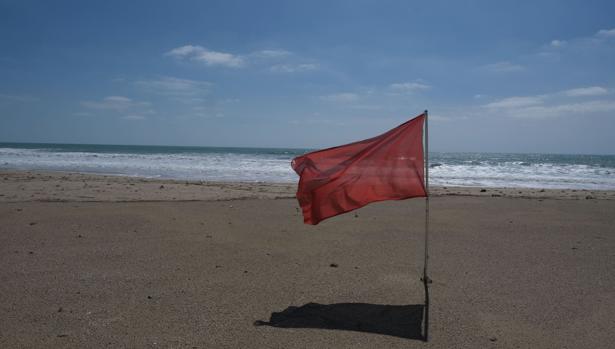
305 195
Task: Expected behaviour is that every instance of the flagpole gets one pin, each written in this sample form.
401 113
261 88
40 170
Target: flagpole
425 278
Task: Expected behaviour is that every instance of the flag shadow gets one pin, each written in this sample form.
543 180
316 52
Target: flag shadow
393 320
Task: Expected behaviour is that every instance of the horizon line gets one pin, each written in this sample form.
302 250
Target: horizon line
293 148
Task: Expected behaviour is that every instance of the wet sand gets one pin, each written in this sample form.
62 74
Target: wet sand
103 261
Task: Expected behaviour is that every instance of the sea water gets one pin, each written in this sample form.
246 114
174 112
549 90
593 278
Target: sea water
273 165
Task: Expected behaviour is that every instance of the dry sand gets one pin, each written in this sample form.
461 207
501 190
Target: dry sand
103 261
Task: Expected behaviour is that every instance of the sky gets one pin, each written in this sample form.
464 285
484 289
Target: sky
496 76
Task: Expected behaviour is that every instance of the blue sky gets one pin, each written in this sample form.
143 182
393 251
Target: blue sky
497 76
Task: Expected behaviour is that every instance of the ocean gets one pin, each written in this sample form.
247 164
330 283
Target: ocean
556 171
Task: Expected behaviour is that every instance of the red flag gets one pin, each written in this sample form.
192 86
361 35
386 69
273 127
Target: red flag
344 178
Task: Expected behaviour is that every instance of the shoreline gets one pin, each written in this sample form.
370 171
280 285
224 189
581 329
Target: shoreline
47 186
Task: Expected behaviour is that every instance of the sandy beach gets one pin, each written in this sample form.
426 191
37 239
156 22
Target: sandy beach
105 261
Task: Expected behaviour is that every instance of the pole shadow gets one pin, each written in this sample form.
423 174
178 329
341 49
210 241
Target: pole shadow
403 321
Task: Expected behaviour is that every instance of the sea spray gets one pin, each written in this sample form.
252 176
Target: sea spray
273 165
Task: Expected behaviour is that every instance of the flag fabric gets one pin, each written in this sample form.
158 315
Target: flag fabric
341 179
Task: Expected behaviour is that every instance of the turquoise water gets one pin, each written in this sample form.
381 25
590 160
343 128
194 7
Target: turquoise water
273 165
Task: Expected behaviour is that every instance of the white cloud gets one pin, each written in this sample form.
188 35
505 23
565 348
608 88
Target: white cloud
409 87
586 91
503 67
606 33
558 43
554 105
219 58
279 53
126 107
208 57
515 102
577 44
293 68
588 107
279 57
561 110
345 97
184 51
171 86
116 103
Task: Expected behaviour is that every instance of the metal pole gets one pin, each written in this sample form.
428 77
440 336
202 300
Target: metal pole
426 279
426 197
